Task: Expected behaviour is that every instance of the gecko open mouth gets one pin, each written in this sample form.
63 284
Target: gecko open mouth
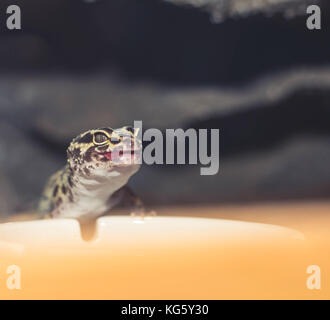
114 155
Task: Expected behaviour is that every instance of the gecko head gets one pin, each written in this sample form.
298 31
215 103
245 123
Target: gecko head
99 151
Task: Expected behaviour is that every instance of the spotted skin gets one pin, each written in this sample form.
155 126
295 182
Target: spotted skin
93 181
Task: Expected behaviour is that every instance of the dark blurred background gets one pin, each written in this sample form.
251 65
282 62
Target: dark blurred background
248 67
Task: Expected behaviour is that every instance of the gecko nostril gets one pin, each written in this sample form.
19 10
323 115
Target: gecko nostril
130 129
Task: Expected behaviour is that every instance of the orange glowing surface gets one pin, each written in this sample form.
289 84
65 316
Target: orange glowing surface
168 257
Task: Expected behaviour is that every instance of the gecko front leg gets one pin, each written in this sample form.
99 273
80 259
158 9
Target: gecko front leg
125 198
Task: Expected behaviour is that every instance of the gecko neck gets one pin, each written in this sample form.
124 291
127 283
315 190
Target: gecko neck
92 189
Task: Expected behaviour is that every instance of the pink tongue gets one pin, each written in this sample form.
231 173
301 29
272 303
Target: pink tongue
108 155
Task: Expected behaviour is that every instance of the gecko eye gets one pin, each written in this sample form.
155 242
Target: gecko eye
100 138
